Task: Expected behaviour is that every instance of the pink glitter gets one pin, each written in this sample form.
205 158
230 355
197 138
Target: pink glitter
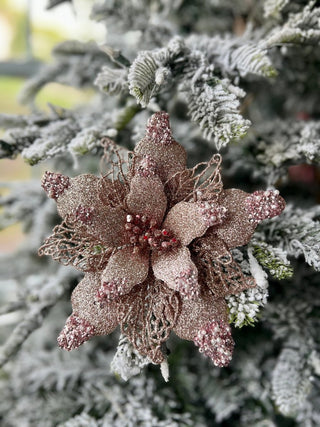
212 213
75 332
84 214
158 128
109 291
215 341
147 167
187 283
262 205
54 184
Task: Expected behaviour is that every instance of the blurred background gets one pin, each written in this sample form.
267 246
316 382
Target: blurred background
29 30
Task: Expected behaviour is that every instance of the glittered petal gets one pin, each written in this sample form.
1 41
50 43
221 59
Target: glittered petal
202 182
147 197
83 299
68 245
124 270
106 225
111 193
177 270
159 144
236 229
82 190
217 268
188 220
196 313
147 315
84 203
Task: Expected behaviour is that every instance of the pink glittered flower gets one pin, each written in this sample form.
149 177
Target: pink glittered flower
154 244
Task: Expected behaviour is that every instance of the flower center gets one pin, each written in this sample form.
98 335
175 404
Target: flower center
144 232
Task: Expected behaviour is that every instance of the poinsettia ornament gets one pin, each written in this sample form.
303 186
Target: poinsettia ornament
154 244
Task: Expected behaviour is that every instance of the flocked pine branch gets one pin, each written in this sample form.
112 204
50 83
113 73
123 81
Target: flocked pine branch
297 233
291 379
235 56
244 307
273 8
301 28
127 362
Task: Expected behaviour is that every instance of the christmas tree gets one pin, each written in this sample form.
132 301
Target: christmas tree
239 81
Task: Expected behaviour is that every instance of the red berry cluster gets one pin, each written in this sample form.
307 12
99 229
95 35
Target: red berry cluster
144 232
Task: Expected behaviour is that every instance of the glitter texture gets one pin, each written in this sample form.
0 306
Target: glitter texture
154 245
264 205
54 184
212 213
147 167
158 129
111 290
215 341
75 332
187 283
84 214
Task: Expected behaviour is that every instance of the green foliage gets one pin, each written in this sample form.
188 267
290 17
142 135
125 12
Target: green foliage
273 259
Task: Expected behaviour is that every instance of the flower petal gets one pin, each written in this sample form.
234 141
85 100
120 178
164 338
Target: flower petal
217 268
147 197
70 246
236 229
82 203
195 314
159 144
188 220
124 270
83 299
147 315
82 190
177 270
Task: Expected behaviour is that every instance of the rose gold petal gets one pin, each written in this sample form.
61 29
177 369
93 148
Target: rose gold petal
124 270
147 197
159 144
177 270
236 229
81 202
83 299
107 225
217 269
188 220
82 190
111 193
196 313
147 315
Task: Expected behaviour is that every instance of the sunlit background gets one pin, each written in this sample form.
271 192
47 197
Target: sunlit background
28 32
